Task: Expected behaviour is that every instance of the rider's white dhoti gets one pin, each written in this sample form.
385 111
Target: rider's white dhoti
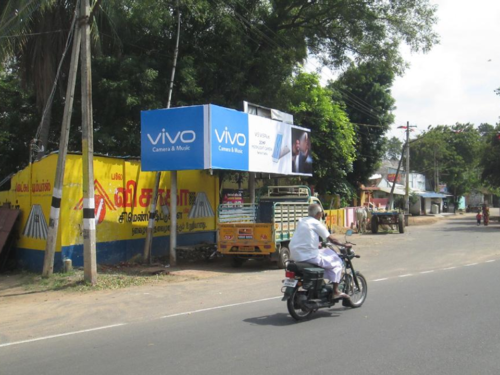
330 262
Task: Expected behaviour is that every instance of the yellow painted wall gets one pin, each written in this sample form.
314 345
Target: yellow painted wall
335 217
122 197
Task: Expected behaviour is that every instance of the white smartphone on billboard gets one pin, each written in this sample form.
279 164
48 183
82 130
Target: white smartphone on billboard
277 147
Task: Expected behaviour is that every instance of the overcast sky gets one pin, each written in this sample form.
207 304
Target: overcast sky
455 81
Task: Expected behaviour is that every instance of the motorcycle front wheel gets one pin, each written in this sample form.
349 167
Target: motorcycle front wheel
357 295
295 305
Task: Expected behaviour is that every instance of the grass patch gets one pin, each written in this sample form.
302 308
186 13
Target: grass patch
74 281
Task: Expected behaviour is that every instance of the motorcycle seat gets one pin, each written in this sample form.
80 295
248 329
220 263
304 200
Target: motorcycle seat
298 267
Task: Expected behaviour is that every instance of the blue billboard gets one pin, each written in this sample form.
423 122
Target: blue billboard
209 136
173 139
228 139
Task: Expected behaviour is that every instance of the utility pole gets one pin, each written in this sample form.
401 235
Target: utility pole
391 195
89 233
50 249
407 193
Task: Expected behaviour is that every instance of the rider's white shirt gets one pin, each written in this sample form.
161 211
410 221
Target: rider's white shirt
305 241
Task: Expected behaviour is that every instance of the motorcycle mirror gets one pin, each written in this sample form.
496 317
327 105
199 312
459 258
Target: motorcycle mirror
348 233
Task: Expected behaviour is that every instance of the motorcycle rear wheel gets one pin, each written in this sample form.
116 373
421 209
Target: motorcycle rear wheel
295 307
357 296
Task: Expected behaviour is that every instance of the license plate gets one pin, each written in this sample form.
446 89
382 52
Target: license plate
246 248
290 282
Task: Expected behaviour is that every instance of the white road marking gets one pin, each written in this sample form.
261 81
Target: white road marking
219 307
472 264
449 268
408 274
381 279
489 261
61 335
427 271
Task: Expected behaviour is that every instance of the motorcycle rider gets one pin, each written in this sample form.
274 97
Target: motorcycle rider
305 247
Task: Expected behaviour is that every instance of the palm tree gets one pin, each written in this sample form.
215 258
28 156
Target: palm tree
34 35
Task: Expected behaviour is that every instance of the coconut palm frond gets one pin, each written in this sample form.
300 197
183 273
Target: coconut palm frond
16 17
104 29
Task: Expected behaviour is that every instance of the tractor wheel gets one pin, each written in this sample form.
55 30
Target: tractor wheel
374 225
401 224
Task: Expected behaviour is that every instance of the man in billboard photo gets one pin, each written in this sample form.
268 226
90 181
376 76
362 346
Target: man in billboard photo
302 163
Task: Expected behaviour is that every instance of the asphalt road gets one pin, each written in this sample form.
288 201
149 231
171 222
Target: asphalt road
432 309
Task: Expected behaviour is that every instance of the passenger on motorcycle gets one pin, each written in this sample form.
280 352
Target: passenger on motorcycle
305 247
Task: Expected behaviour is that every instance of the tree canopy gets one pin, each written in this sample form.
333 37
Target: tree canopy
365 90
230 51
448 154
333 134
392 148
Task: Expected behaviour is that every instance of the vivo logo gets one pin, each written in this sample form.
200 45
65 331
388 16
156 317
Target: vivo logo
186 136
238 138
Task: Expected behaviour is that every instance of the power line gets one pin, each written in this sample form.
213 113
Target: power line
356 102
32 34
54 85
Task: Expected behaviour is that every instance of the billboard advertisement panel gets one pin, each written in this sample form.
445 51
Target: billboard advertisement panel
301 163
270 145
174 139
203 137
228 139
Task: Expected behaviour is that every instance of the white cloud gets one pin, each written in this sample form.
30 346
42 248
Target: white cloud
455 81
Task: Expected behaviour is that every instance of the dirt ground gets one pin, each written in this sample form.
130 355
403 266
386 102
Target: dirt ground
128 275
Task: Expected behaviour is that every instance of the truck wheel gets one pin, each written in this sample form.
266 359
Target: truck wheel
284 257
237 262
374 222
401 224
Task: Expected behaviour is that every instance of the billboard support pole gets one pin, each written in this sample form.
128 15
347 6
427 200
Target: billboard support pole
251 186
173 218
152 212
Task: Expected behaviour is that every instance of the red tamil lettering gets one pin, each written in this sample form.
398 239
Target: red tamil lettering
145 197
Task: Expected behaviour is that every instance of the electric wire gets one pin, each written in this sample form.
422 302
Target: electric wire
32 34
56 79
355 101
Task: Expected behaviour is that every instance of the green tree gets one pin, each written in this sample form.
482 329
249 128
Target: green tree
14 146
231 50
333 135
392 148
365 90
490 158
486 130
35 35
449 155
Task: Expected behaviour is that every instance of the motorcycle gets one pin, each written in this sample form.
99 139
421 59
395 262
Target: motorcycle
305 290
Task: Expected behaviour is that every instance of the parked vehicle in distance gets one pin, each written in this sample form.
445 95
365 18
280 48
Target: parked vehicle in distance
393 219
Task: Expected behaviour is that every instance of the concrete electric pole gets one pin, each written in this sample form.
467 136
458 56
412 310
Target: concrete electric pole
50 248
89 233
407 190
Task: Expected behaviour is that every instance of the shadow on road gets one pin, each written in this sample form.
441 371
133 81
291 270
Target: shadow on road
283 319
472 228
